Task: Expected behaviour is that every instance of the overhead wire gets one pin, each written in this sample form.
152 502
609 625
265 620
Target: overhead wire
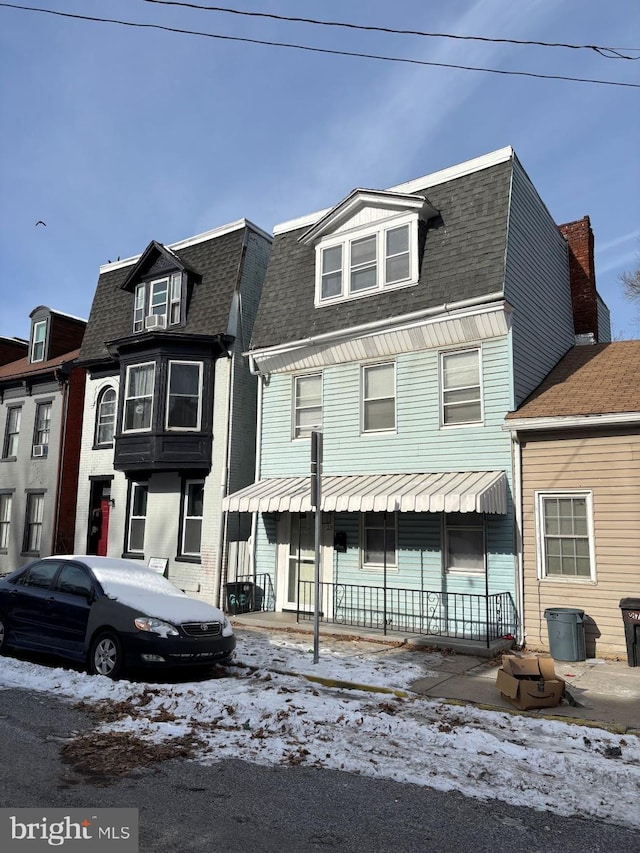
606 52
322 50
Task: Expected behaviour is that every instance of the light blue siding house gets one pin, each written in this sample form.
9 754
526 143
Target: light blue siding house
403 324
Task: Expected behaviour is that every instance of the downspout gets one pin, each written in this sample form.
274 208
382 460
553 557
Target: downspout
517 498
64 387
254 516
234 323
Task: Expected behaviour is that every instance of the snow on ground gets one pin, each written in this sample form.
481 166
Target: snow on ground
263 711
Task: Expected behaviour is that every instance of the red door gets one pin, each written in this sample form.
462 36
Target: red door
103 538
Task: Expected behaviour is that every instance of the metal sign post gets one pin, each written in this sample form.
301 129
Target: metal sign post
316 501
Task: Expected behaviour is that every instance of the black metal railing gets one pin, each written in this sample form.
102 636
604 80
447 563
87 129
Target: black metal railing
458 615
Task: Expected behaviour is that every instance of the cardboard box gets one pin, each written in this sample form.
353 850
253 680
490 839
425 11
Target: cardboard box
530 682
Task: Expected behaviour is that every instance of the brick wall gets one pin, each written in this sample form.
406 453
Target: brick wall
584 297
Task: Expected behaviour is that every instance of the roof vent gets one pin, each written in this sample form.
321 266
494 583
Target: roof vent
585 340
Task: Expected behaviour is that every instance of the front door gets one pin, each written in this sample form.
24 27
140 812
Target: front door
301 562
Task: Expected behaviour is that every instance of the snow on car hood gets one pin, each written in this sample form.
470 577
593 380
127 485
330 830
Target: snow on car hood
153 595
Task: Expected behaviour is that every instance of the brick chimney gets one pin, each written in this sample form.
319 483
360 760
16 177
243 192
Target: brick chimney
582 275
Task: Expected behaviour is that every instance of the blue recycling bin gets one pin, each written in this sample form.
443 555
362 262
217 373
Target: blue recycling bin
565 626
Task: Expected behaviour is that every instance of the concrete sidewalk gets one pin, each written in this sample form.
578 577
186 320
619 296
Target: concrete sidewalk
598 692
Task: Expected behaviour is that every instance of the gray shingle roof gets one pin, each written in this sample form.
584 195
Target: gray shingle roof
216 261
463 257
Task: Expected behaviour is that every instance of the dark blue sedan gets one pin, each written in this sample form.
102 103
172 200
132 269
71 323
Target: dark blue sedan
109 614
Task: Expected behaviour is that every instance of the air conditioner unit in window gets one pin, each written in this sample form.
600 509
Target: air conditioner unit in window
155 321
39 450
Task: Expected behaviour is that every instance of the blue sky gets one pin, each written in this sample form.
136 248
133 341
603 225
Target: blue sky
115 136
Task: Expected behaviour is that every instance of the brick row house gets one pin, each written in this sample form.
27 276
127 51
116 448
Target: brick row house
403 324
41 403
170 404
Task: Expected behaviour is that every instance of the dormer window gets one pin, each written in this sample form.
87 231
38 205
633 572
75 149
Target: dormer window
38 341
157 303
366 244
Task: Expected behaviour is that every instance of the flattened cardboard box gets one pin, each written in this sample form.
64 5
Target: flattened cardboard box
529 682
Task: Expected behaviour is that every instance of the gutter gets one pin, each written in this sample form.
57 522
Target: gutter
327 337
571 421
516 456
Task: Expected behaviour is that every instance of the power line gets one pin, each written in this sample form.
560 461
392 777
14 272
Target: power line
323 50
606 52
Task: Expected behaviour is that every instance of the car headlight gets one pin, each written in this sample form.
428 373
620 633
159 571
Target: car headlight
155 626
227 629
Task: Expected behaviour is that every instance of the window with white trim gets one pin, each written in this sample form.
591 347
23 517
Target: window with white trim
6 500
12 432
565 535
38 341
461 390
138 401
307 404
33 522
193 503
42 430
156 303
378 397
464 551
105 417
137 518
378 538
368 261
184 395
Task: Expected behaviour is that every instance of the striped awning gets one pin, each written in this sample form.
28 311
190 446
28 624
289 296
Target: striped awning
465 491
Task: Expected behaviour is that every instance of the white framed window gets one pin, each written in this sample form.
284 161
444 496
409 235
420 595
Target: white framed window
378 397
39 340
378 541
371 259
193 503
157 303
461 388
464 543
184 395
138 401
5 520
565 535
105 417
137 518
307 404
12 432
33 522
42 430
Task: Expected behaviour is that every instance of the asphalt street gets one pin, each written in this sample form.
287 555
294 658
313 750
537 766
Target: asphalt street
186 807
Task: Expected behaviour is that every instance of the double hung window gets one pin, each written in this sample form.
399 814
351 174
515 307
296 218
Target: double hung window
184 395
42 430
5 519
461 388
33 522
39 340
464 543
138 402
565 546
12 432
307 404
193 501
379 540
137 518
378 397
157 303
106 417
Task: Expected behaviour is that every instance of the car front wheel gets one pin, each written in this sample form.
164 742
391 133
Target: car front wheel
4 633
106 656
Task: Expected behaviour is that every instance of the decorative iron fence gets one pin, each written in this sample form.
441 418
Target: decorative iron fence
441 614
466 616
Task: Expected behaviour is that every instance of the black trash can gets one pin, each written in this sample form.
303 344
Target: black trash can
630 608
565 626
240 597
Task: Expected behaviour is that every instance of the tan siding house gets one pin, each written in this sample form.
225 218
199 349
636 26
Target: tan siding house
578 441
